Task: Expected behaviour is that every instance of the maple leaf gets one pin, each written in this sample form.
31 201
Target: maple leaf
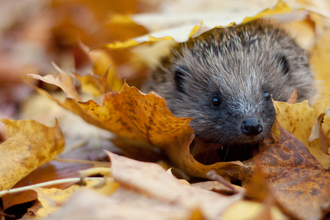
295 177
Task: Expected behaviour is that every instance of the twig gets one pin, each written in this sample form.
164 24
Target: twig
214 176
53 182
101 164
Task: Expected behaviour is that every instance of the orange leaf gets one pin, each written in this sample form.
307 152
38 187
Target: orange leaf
146 120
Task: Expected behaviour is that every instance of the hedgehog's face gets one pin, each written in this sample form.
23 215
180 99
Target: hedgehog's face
228 89
231 108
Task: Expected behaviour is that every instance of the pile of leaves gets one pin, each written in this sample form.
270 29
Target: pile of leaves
288 178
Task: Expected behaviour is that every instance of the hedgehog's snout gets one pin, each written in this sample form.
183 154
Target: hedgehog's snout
251 126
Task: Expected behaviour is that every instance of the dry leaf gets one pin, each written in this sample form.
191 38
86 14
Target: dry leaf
29 145
146 191
52 199
153 181
145 119
94 84
87 204
64 81
252 210
104 78
319 59
299 118
210 20
317 132
293 97
216 187
295 177
52 170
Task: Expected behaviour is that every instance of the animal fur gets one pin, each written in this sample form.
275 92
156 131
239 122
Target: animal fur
238 65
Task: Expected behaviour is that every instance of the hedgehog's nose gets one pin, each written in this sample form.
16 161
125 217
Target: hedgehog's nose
251 126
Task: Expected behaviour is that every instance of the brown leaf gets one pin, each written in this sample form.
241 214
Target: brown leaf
257 187
295 177
64 81
146 191
151 180
88 204
216 187
52 170
29 145
293 97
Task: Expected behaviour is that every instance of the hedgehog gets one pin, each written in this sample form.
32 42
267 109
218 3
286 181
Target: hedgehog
225 79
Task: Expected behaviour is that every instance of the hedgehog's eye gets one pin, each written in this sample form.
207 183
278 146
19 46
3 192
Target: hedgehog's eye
216 101
267 96
283 63
179 79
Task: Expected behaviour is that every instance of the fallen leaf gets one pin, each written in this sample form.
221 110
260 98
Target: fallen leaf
29 145
52 170
153 181
103 78
52 199
210 19
215 186
64 81
253 210
94 84
88 204
103 64
297 180
299 118
319 59
293 97
324 139
145 119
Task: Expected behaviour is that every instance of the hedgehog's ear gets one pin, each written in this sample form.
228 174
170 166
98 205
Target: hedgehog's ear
283 63
179 78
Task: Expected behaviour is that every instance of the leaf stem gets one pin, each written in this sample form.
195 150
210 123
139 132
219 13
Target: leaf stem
53 182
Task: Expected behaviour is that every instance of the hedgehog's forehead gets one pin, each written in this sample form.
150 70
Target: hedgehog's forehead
232 64
238 74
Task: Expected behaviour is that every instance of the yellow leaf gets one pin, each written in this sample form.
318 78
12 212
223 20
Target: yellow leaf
281 7
52 199
319 60
103 64
29 145
299 119
94 84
